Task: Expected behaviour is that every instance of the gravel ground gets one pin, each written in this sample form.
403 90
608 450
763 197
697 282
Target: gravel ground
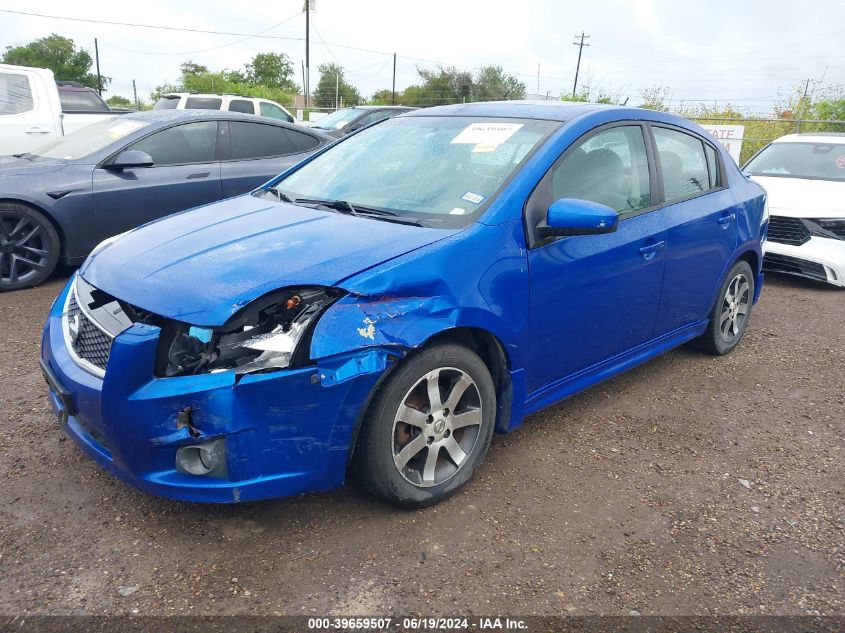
690 485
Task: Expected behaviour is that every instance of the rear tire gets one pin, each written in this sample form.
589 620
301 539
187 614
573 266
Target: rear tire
729 316
29 246
427 428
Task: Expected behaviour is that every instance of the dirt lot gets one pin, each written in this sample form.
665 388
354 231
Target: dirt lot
628 497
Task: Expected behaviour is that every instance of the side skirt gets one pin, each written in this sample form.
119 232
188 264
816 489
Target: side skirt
575 383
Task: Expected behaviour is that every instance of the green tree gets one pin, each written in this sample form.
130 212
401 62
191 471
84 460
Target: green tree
189 69
654 98
491 83
830 109
274 70
447 84
116 101
332 87
198 78
60 55
450 84
385 97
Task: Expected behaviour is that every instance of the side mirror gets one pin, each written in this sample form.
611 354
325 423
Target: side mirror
569 216
131 158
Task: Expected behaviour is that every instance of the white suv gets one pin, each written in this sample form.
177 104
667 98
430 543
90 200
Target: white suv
804 176
230 103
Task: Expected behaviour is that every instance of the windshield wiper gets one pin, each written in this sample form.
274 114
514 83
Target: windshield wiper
25 155
344 206
283 197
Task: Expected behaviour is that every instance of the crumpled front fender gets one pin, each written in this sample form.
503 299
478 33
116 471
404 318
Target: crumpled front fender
392 323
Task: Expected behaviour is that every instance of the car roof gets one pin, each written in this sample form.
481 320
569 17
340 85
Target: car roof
174 116
547 110
831 137
382 107
211 95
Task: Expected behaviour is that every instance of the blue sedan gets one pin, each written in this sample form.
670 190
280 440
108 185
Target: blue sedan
383 307
60 201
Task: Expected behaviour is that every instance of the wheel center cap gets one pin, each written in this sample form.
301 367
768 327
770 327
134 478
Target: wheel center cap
8 248
439 427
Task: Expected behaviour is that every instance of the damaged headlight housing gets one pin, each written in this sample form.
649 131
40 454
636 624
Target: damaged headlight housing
264 336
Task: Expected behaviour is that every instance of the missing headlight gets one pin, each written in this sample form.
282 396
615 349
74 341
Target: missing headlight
264 336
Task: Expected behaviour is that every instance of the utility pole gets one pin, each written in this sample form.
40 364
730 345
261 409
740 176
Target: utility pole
393 98
307 52
538 79
337 91
581 44
135 92
97 58
801 110
303 77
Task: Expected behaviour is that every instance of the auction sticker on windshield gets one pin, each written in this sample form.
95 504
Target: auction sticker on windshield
486 134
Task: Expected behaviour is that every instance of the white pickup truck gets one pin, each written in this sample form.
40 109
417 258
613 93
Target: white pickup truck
31 112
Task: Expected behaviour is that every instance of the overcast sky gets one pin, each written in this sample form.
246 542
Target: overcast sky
745 53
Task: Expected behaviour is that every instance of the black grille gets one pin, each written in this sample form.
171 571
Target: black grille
787 230
91 344
794 266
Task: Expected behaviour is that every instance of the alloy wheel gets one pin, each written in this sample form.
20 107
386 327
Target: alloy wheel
24 248
437 427
735 308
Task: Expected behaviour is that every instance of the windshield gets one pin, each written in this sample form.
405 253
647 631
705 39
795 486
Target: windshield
337 119
440 170
818 161
89 139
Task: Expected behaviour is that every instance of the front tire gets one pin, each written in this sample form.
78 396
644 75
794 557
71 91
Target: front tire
427 428
729 316
29 246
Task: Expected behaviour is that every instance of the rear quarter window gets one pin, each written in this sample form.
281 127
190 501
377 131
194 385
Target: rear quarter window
302 142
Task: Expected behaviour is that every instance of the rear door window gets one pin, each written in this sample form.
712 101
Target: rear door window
241 105
15 94
683 163
203 103
257 140
181 144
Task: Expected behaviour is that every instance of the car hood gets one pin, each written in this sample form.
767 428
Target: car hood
12 166
805 198
201 266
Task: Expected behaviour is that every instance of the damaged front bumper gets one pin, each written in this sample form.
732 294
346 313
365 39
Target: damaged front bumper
283 432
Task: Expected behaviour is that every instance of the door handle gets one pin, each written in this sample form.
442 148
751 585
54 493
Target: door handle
37 130
203 174
648 252
727 219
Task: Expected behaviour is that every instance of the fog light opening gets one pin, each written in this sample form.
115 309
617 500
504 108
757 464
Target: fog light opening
206 459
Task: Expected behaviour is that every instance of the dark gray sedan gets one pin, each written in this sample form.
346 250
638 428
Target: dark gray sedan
57 203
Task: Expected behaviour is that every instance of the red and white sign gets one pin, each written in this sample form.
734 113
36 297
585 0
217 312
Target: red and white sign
730 136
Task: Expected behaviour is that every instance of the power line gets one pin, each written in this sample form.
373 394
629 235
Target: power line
148 26
205 50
